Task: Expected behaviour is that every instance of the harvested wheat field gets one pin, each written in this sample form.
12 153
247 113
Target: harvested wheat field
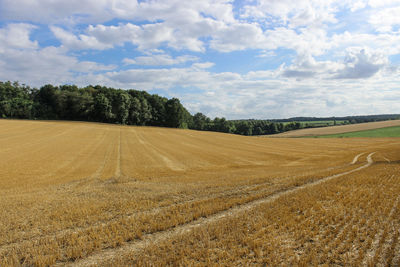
338 129
87 194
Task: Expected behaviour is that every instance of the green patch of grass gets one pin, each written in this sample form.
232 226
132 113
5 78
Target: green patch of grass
381 132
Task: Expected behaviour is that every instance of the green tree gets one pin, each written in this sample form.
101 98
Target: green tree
15 101
176 114
135 108
102 108
122 106
48 101
200 121
145 112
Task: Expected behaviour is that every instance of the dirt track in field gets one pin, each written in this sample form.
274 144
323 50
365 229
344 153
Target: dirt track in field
338 129
157 237
70 191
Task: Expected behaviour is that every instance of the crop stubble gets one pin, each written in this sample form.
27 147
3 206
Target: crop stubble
71 190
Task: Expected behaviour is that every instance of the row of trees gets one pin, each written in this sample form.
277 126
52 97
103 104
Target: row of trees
243 127
91 103
132 107
346 119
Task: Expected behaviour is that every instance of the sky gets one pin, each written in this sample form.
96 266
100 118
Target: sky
260 59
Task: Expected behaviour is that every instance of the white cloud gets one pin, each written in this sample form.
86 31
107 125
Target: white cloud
145 37
48 65
238 37
17 36
203 65
384 20
97 11
114 35
72 11
159 60
361 64
275 98
23 60
224 38
292 12
385 43
184 25
358 5
298 25
73 42
383 3
179 24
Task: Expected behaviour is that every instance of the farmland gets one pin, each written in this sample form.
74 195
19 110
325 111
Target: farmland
319 123
380 132
85 194
339 129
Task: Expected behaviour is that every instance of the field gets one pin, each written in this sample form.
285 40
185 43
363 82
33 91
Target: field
87 194
319 123
380 132
339 129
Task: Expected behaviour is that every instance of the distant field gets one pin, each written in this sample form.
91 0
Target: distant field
339 129
319 123
88 194
381 132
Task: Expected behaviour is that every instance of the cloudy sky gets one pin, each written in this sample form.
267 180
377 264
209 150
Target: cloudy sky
237 59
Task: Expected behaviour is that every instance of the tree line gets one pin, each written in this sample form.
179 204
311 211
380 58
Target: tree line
242 127
91 103
132 107
348 119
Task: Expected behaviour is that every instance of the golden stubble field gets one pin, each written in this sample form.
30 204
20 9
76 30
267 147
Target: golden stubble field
87 194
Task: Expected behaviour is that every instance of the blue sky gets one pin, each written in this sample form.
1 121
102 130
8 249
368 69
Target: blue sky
238 59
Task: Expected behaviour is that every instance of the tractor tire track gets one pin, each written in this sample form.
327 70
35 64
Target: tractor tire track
245 189
356 158
256 188
118 168
157 237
